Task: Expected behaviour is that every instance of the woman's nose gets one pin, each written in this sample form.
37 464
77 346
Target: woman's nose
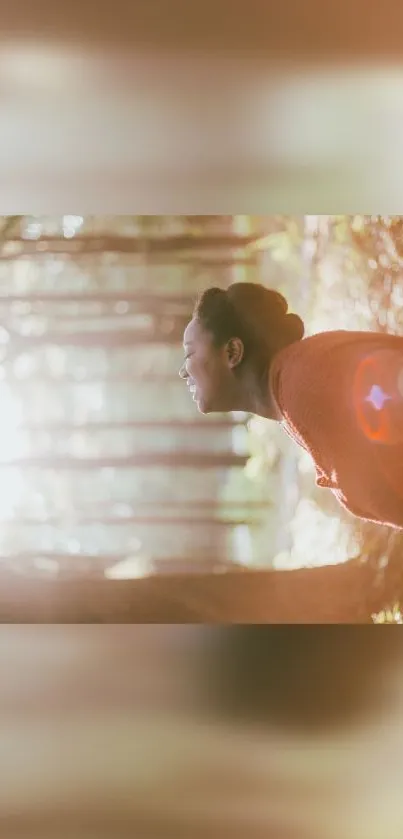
183 372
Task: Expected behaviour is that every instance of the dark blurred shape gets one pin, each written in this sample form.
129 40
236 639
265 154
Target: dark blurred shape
303 678
293 30
103 734
349 593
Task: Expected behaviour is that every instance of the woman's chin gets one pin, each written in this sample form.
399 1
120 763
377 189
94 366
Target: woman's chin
202 406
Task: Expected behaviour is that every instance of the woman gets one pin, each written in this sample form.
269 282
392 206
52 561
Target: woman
338 394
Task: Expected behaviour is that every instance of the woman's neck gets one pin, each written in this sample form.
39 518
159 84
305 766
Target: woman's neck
255 399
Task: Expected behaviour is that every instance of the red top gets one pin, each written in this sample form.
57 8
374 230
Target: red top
340 396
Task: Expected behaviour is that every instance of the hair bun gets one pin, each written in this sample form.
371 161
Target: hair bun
278 299
295 326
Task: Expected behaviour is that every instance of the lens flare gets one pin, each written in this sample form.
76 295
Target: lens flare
378 397
378 404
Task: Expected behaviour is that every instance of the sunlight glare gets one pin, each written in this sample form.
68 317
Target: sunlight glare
12 447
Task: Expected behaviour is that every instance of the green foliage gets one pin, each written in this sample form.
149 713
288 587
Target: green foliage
390 615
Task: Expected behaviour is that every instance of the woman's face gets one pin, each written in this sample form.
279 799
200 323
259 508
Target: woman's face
207 370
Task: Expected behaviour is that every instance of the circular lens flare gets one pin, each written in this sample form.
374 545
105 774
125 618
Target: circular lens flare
378 405
378 397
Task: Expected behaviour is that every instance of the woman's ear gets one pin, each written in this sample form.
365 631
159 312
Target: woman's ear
235 352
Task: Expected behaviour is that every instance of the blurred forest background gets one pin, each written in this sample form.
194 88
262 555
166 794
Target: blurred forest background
106 468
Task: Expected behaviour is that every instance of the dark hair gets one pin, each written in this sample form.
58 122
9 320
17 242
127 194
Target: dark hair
255 314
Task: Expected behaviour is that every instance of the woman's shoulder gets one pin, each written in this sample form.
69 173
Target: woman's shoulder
310 348
346 336
311 361
323 341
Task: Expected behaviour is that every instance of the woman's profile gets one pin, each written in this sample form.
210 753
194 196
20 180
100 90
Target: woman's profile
338 394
